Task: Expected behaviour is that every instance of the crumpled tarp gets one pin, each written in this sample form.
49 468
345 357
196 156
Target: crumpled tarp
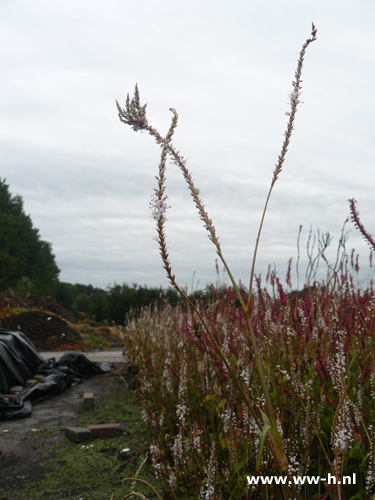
20 361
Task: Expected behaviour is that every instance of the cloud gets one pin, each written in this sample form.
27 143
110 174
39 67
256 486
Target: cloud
87 180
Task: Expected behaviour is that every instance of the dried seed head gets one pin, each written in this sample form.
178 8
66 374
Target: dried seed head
133 114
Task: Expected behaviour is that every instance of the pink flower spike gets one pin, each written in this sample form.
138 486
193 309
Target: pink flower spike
287 279
358 224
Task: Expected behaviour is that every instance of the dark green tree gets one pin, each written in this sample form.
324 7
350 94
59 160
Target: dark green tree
24 257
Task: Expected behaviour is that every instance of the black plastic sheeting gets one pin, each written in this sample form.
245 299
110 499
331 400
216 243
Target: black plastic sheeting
20 361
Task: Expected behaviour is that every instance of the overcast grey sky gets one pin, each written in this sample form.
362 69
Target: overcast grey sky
226 67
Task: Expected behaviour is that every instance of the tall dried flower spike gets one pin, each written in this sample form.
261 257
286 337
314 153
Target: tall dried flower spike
294 101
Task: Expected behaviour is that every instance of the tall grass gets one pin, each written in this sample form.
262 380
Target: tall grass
252 384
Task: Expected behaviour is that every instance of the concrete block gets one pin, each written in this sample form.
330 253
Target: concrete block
31 381
10 396
88 400
104 431
15 389
78 434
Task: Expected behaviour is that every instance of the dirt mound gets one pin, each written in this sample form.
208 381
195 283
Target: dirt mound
51 327
10 300
46 331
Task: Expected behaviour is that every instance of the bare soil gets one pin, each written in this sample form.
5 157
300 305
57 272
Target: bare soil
45 330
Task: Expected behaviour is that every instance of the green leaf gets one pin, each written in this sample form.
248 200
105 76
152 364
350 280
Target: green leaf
265 430
239 466
365 459
355 452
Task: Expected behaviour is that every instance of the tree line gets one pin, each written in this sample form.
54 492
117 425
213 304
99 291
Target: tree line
113 303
